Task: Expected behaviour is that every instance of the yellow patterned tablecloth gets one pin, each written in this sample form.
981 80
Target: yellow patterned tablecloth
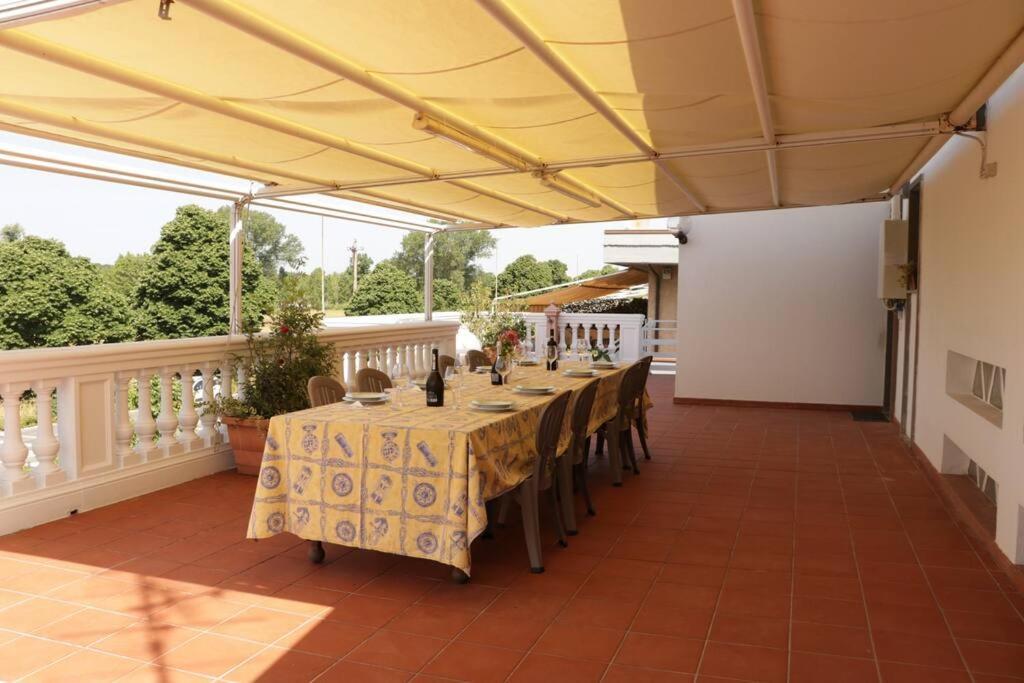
413 480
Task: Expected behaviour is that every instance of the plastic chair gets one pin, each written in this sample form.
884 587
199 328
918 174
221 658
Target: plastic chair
527 494
476 359
324 390
372 379
579 451
444 362
640 421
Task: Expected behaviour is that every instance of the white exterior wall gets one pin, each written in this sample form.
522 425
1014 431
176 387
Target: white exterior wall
782 306
972 301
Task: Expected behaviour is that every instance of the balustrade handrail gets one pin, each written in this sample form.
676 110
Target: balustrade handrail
51 363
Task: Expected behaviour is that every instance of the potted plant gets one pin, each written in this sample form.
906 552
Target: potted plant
277 366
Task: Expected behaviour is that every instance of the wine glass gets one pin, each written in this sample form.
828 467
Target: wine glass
505 369
581 351
394 397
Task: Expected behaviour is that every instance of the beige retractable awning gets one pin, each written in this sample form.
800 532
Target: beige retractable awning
594 288
530 112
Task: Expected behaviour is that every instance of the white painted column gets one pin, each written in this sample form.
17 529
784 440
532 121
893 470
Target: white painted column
428 277
46 446
237 242
187 416
14 451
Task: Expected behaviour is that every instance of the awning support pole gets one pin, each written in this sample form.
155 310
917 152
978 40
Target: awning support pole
237 242
747 25
428 277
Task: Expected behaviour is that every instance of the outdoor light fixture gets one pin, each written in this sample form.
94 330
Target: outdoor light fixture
565 187
165 9
680 227
468 142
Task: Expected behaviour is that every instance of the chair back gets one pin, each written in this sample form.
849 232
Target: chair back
476 359
581 417
630 393
444 362
324 390
548 431
372 379
644 363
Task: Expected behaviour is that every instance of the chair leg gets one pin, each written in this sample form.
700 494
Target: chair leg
615 457
628 436
599 451
581 475
624 443
642 433
529 504
506 502
563 481
556 510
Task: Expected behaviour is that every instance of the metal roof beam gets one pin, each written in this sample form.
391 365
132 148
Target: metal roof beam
747 25
540 49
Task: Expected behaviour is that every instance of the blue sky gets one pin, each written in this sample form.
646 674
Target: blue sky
102 220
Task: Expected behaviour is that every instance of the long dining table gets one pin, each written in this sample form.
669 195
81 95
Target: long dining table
403 478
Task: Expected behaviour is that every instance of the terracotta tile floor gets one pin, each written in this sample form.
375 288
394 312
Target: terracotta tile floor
757 545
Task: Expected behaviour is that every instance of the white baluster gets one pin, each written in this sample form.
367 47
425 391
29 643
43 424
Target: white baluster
187 416
389 360
123 429
46 446
14 451
242 375
166 421
145 426
407 362
208 420
350 370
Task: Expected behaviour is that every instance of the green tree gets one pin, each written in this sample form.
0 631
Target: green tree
386 290
50 298
12 232
446 295
559 271
184 288
275 249
127 272
455 255
596 272
524 274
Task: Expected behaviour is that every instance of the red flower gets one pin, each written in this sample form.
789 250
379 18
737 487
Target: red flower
284 329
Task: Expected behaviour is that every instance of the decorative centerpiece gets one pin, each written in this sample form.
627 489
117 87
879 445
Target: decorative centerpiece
599 355
506 349
276 368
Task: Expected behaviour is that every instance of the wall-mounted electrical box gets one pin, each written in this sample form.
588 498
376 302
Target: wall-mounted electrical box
893 267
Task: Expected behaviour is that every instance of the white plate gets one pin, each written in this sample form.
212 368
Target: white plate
528 363
493 406
580 373
365 396
534 390
422 384
603 365
482 370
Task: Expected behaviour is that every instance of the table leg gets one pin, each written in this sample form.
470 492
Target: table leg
567 501
316 552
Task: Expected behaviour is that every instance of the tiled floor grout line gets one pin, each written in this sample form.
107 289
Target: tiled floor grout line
572 597
917 558
728 563
856 560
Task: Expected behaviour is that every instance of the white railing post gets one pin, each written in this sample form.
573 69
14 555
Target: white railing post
208 420
123 424
145 425
187 416
46 445
14 451
167 421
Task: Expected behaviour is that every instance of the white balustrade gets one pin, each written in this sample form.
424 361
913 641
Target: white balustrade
46 446
98 450
618 333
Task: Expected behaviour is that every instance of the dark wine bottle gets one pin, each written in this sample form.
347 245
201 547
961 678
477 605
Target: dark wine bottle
435 385
552 362
497 365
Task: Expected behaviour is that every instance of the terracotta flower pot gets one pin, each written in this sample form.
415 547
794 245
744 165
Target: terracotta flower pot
248 436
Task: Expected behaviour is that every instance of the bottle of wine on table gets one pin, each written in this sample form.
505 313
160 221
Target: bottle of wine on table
435 384
552 355
495 370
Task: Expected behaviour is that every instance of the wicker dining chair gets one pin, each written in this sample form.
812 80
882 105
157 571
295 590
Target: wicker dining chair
476 359
324 390
527 494
444 362
372 379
